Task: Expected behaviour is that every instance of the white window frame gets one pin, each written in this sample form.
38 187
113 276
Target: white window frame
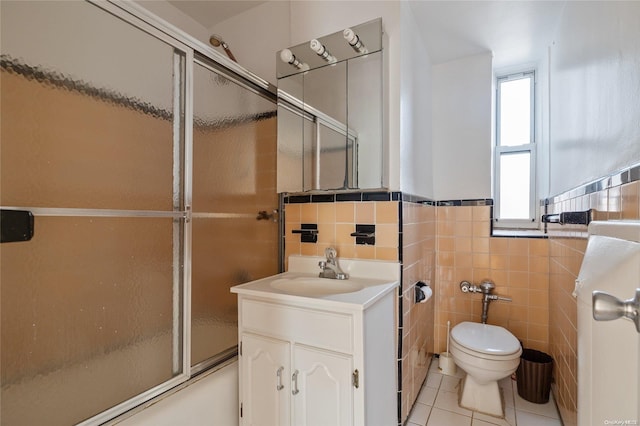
532 222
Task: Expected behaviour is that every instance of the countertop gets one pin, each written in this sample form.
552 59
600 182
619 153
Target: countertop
377 279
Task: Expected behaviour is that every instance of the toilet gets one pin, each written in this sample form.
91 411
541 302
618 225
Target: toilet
487 353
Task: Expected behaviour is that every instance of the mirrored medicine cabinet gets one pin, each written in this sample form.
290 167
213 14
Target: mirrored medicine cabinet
330 112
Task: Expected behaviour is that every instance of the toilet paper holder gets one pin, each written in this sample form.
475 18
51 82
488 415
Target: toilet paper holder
422 294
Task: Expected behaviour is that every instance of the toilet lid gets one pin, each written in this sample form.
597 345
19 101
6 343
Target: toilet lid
484 338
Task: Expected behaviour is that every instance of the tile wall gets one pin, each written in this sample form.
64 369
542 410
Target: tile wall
567 244
336 221
405 232
519 267
417 331
445 244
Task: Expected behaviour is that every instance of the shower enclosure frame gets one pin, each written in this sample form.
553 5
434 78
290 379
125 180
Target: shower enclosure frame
186 50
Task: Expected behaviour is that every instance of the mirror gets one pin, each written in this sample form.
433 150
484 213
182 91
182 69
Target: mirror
330 133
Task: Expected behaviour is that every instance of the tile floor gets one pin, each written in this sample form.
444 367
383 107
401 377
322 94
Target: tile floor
437 405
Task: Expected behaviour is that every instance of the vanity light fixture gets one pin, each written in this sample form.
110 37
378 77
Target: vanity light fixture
354 41
321 51
287 56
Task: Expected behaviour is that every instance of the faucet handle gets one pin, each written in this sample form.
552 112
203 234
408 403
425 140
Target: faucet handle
330 253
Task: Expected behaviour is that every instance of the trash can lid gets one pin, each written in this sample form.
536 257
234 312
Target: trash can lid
485 338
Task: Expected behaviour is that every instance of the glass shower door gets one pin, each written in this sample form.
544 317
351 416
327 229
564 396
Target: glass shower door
92 143
234 179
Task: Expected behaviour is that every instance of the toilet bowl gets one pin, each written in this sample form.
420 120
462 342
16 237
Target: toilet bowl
487 353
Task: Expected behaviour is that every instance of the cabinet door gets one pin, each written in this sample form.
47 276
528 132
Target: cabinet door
265 381
324 384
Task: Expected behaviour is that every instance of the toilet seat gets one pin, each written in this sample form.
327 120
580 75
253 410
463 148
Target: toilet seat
488 341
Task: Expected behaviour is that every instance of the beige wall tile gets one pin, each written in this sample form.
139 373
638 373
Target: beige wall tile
292 212
327 233
386 253
308 249
343 234
480 245
463 244
364 252
499 245
386 212
448 244
309 213
345 212
481 213
387 235
326 213
630 200
365 213
463 213
498 261
539 247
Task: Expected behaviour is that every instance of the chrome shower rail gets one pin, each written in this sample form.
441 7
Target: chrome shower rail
67 212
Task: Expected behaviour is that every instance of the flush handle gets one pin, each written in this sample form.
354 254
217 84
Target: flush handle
607 307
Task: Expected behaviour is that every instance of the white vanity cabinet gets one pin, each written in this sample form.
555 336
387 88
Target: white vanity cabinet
265 366
277 377
322 361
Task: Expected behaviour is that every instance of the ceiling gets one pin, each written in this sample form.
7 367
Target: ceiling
515 31
210 12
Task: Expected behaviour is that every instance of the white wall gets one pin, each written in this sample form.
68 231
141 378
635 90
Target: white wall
416 174
212 400
595 92
177 18
462 128
256 35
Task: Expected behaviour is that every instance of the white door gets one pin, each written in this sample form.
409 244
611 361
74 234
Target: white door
264 381
322 388
608 291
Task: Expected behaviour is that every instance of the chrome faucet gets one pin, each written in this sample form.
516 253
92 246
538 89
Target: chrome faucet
330 267
486 287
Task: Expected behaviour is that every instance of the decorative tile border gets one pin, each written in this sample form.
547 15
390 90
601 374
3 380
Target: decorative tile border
628 175
355 196
473 202
380 196
342 196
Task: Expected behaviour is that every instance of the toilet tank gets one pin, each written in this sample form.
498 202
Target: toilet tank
608 351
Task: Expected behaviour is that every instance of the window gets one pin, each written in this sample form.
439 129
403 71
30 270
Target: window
514 164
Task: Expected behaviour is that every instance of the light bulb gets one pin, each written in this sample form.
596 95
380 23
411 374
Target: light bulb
353 40
287 56
321 51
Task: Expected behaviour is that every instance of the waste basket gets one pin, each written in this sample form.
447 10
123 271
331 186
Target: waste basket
534 376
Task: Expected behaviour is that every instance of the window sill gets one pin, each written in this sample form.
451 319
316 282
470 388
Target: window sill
519 233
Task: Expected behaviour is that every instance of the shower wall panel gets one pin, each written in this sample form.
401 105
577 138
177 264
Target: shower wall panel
87 305
67 149
234 177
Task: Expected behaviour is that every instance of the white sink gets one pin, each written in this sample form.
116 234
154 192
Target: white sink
369 280
312 286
